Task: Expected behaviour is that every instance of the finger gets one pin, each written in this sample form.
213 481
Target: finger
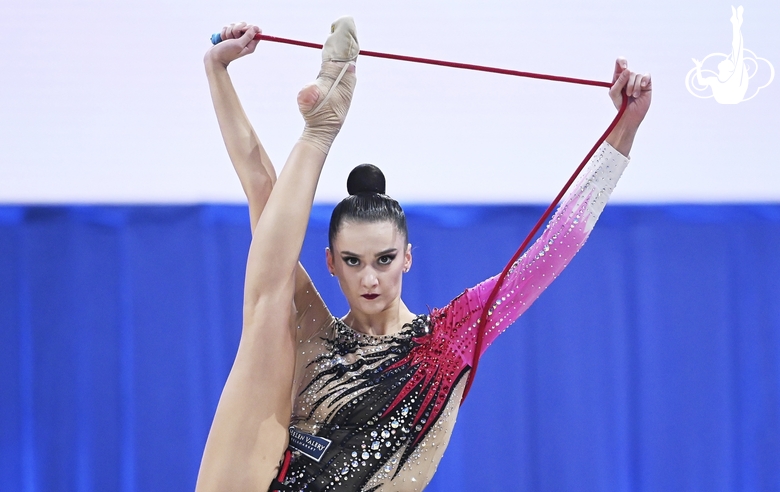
632 87
640 84
619 84
248 36
647 82
223 34
238 29
620 65
616 91
252 43
230 30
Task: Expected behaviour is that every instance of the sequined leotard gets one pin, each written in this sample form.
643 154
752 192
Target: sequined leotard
376 412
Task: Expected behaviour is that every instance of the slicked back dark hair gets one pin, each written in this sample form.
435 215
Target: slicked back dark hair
366 202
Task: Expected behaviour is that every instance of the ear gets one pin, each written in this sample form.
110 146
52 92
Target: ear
329 261
408 257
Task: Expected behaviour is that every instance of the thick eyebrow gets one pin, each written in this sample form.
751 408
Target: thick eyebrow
381 253
386 252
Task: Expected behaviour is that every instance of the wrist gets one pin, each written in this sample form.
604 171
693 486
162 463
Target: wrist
212 64
622 138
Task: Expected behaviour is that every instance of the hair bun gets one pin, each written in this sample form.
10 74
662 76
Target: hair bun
366 178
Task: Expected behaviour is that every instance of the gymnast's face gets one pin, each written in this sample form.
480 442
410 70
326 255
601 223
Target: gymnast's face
369 259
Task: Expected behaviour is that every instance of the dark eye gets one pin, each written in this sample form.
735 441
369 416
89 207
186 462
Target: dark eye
386 260
351 260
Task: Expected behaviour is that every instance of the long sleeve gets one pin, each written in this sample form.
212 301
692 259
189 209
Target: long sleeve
540 264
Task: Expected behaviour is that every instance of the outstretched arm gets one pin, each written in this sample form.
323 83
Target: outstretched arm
565 234
542 263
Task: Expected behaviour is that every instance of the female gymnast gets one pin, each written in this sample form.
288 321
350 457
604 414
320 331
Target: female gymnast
367 401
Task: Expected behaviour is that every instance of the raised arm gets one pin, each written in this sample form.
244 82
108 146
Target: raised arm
565 234
248 156
638 88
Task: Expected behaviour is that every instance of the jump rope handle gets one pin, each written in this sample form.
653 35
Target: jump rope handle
216 38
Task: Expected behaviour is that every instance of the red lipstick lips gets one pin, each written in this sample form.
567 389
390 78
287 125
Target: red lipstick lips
370 296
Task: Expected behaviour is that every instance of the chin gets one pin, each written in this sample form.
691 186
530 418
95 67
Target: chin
370 307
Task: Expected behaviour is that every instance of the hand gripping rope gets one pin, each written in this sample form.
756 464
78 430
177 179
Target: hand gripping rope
483 319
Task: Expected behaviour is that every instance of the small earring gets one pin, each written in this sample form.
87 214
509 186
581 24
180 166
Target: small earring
332 274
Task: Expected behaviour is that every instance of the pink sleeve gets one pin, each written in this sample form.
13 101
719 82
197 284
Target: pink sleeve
540 264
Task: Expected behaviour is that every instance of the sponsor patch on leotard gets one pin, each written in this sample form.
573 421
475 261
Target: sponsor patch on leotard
312 446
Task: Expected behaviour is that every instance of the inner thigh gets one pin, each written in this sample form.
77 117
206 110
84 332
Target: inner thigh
250 429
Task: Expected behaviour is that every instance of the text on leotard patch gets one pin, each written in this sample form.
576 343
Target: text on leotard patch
312 446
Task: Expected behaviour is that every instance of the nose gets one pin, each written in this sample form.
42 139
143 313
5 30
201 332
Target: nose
370 280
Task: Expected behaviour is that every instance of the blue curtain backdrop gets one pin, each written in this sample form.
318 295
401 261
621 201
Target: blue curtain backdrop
652 364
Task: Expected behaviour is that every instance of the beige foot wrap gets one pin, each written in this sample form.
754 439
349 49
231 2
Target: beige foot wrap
334 86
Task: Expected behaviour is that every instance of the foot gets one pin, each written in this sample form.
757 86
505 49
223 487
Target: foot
325 103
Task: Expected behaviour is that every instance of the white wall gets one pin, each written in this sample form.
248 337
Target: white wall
107 101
